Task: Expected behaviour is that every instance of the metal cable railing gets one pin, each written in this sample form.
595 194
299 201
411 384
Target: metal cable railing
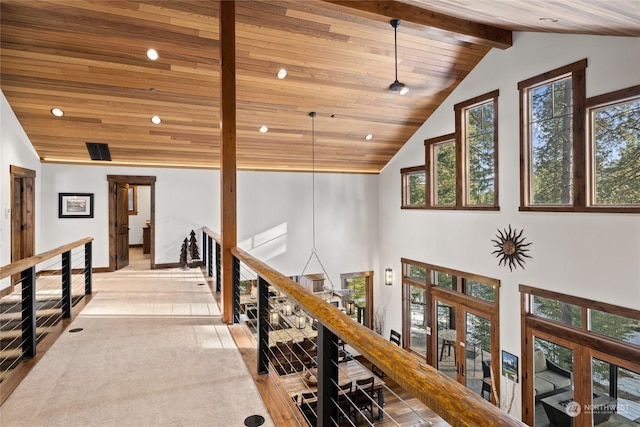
292 353
332 405
44 289
316 341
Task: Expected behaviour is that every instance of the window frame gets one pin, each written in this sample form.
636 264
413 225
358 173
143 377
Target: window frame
591 104
404 173
462 158
577 72
431 162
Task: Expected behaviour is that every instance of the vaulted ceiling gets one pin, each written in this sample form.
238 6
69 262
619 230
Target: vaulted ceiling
88 58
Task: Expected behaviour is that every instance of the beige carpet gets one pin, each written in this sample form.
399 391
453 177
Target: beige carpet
152 352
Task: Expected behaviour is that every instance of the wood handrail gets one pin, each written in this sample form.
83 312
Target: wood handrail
455 403
23 264
215 236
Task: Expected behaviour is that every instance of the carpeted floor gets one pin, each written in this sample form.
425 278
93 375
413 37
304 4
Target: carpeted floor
152 352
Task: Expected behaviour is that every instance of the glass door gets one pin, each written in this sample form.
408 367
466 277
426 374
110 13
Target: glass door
553 368
615 397
464 345
477 354
446 338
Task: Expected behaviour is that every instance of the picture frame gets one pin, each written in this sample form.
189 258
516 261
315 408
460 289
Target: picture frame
75 205
510 366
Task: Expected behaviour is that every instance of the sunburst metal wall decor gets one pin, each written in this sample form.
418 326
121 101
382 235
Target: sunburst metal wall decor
511 248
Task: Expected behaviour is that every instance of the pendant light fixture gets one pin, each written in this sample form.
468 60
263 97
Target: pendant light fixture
313 204
396 86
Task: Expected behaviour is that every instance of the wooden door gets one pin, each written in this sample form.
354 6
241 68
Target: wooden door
22 214
122 225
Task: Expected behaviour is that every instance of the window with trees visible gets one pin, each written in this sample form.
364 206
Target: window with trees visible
413 187
578 154
551 146
476 129
614 147
462 167
442 156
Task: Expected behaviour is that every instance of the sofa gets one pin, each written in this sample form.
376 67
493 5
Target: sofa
549 378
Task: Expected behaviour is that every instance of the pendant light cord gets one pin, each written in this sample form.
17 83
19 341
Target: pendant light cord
395 44
313 201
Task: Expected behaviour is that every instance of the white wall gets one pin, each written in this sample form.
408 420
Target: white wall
274 214
185 200
275 224
596 256
15 150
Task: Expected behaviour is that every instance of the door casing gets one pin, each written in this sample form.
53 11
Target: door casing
113 180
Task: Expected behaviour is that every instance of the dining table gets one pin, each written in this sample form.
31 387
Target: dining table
351 370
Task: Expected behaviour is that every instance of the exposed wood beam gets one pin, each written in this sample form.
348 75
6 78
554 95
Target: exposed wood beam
228 153
449 26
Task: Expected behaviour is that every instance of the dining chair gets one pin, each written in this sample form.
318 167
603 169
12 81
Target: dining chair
344 400
363 395
486 378
396 337
309 407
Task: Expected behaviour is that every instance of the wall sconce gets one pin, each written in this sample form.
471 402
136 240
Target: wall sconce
274 318
351 306
301 320
388 276
286 308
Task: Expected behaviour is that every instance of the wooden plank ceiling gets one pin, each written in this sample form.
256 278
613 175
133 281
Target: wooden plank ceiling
88 58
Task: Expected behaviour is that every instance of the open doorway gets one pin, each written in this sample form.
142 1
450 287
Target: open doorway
120 202
139 210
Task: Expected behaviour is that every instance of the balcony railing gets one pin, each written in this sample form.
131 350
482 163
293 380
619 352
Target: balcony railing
42 292
306 339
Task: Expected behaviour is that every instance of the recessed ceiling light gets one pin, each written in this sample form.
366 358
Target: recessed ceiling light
548 19
152 54
156 120
57 112
369 137
282 73
404 90
263 129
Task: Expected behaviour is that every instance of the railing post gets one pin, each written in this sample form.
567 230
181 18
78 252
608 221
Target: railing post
88 269
210 257
263 326
204 248
66 285
327 376
236 290
28 277
218 264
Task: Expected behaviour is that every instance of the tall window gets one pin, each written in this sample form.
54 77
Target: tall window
614 147
551 142
578 154
413 187
476 125
462 168
443 189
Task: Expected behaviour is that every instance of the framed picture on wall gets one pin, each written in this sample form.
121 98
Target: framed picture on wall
510 366
75 205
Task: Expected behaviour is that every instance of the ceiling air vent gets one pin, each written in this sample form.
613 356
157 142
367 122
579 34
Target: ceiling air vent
98 151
